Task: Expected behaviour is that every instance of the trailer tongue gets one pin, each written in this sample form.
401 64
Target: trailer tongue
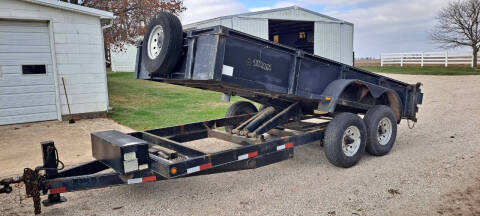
305 98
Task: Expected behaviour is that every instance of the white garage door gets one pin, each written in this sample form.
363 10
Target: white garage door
27 90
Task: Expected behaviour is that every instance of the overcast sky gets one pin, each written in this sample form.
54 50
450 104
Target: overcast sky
380 25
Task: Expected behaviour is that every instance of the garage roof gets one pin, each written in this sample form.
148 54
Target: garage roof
73 7
295 7
188 25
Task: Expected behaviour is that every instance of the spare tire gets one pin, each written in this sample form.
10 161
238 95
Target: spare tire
162 44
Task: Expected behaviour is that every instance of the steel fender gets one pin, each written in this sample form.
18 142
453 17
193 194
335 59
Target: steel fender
336 88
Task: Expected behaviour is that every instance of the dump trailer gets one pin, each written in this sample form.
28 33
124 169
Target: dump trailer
304 99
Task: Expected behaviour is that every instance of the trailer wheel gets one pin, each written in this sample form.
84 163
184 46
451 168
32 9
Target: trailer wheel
162 43
381 130
345 140
239 108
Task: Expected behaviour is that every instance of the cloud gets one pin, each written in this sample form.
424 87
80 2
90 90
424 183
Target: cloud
198 10
396 26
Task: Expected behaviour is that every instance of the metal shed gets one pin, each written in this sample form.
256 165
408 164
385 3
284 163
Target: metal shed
41 42
294 26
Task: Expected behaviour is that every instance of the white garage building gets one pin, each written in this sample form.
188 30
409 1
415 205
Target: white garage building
293 26
41 42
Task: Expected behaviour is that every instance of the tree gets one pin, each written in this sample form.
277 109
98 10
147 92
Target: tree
130 19
458 25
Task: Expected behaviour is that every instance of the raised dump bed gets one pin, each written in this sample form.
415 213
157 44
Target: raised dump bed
224 60
305 99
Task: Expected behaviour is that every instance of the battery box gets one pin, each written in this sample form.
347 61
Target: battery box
119 151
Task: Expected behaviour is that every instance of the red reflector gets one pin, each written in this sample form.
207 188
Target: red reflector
289 145
149 178
253 154
205 166
58 190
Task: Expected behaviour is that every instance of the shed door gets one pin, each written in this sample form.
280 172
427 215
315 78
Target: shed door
27 90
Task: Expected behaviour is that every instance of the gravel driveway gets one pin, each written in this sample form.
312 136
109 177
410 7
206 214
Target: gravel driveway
433 169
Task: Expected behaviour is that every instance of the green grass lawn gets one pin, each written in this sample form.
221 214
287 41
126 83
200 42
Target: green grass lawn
141 104
428 70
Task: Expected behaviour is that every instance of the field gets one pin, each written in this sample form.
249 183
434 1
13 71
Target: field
143 104
430 70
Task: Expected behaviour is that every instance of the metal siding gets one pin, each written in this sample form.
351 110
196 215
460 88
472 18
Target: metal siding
78 46
226 22
124 61
292 14
346 44
328 40
209 24
25 98
256 27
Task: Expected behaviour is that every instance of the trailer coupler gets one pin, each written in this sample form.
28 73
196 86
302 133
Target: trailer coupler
33 180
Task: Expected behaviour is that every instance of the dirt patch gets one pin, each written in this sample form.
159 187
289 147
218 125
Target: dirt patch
20 144
462 201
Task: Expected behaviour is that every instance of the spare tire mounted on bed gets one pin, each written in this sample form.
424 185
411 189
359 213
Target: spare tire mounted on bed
162 43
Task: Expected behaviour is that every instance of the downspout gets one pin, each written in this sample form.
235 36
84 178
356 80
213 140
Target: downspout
108 25
105 65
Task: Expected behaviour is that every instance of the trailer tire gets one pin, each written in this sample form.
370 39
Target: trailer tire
161 58
380 137
345 140
239 108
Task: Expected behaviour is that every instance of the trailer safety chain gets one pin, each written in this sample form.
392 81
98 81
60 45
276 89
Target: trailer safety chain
413 125
32 179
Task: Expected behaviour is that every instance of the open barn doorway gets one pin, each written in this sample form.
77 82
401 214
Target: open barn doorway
298 34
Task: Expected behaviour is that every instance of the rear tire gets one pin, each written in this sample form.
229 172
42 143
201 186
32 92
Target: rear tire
239 108
381 130
345 140
162 43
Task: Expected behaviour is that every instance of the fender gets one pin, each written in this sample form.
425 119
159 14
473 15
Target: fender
336 88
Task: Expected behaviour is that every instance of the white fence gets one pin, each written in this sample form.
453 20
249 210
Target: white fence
426 58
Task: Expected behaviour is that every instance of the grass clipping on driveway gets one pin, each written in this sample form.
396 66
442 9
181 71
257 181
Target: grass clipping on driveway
427 70
141 104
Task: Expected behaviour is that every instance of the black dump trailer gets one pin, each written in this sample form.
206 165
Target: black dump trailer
304 98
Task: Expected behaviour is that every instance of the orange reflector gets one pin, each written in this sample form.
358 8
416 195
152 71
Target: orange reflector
328 98
173 170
